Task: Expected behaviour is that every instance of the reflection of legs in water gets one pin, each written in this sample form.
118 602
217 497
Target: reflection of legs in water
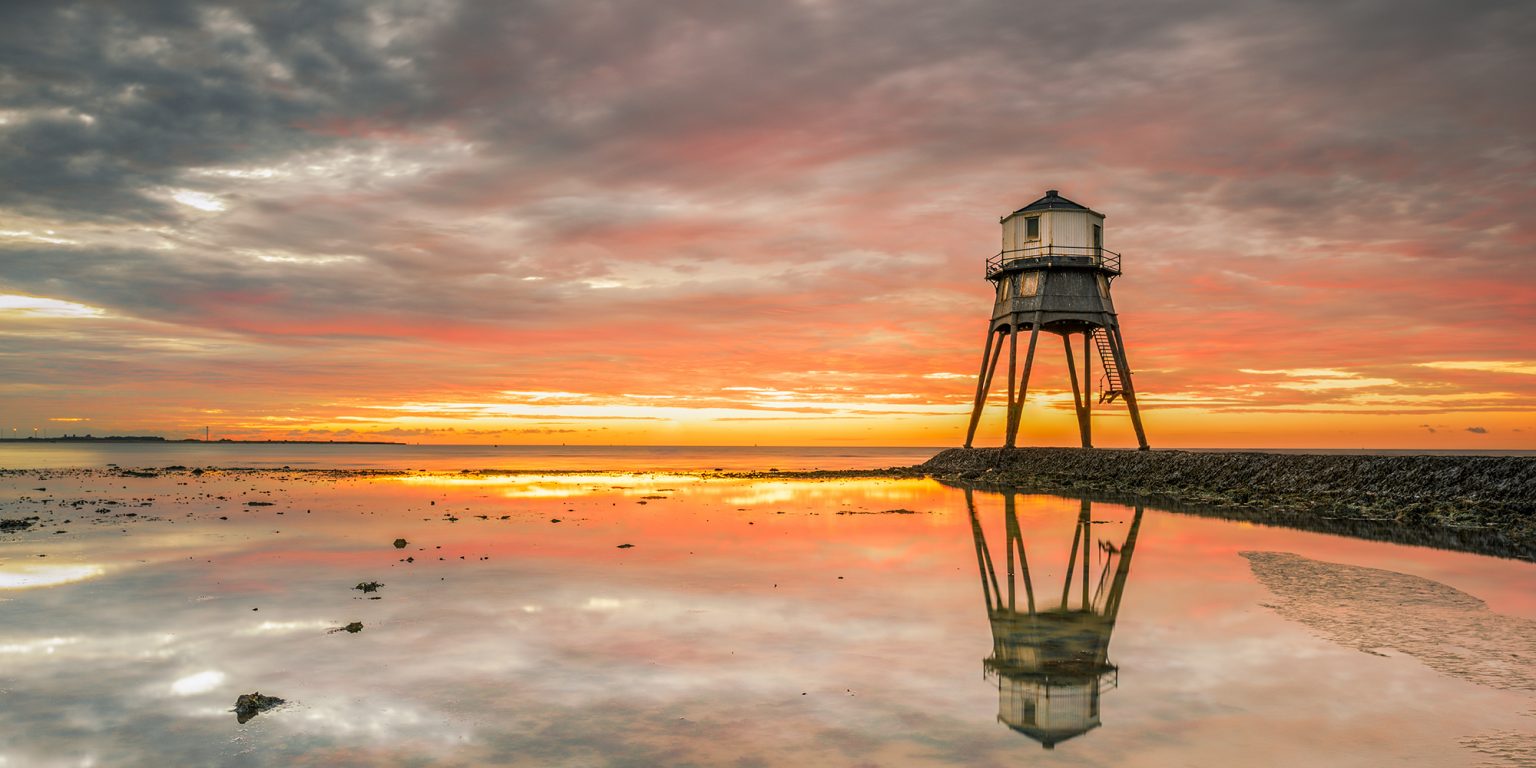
1051 665
983 556
1093 596
1015 541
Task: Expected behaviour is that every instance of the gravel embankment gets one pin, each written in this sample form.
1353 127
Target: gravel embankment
1479 503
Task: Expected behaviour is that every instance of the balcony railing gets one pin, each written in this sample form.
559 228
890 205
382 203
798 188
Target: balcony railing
1046 256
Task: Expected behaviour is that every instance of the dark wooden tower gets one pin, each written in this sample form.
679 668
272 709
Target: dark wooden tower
1051 664
1053 274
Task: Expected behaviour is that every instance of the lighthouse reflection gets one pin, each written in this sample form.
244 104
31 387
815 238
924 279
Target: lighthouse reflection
1051 664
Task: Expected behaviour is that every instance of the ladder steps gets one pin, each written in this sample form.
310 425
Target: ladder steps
1112 383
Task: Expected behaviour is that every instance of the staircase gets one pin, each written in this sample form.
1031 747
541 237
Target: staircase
1112 383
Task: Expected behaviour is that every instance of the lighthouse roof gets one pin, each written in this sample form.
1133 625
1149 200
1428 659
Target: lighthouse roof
1053 201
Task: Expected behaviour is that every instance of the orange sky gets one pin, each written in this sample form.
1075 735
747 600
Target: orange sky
741 224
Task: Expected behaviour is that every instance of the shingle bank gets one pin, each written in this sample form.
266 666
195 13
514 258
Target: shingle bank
1481 503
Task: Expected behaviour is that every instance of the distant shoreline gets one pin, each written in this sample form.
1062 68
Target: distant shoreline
149 439
934 449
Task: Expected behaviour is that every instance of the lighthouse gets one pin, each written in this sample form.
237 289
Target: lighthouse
1053 274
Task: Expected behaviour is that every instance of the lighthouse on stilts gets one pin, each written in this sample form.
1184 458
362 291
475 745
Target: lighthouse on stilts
1053 274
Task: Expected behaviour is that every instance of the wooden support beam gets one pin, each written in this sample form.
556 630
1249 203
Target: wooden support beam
1117 343
1013 371
1077 394
1087 389
983 382
1016 407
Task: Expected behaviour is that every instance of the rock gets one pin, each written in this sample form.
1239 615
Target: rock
1482 504
15 524
368 586
353 628
258 503
626 546
250 705
400 543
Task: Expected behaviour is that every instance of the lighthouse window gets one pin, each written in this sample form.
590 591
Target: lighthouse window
1032 228
1029 284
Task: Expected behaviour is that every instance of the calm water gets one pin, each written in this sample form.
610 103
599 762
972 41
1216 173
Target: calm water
753 623
454 457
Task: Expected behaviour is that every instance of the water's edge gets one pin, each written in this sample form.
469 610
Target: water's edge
1480 504
1483 504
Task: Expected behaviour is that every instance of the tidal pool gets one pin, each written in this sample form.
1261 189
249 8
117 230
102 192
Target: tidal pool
753 622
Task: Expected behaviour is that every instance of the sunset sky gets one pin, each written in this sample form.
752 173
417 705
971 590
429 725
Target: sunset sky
759 222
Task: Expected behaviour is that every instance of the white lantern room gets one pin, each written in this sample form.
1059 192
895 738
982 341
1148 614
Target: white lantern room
1052 226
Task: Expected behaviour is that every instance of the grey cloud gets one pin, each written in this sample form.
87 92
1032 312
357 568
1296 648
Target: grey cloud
1477 430
779 129
130 94
607 92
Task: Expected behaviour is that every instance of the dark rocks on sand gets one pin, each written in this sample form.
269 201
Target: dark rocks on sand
250 705
400 543
1479 503
626 546
17 524
353 628
258 503
368 586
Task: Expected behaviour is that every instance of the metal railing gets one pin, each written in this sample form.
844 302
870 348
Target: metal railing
1045 256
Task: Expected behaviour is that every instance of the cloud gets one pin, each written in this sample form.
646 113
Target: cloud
42 306
1487 366
353 204
1477 430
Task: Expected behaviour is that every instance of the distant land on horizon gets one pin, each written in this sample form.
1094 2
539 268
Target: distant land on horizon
156 439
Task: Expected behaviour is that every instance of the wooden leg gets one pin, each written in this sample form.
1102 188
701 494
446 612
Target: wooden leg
1088 389
1077 394
1017 414
1130 389
983 383
1013 371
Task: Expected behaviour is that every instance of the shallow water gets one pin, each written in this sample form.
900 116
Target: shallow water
753 622
26 455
